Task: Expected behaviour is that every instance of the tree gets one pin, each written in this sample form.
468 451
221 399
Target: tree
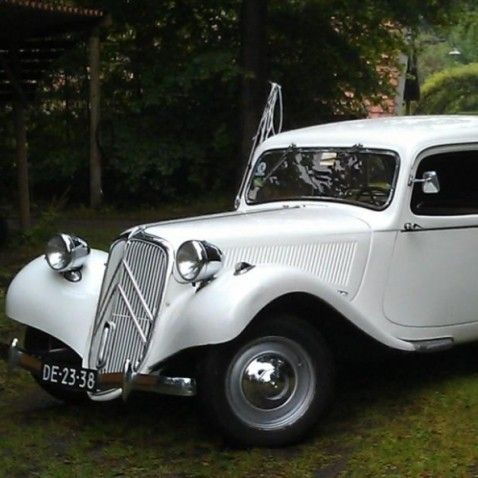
174 83
254 66
451 91
436 42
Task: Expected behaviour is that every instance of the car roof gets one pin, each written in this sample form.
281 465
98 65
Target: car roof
399 133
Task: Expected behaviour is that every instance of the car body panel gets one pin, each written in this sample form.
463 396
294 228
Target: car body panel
221 310
432 279
43 299
363 263
331 245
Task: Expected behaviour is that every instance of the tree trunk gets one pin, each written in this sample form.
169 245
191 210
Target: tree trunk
254 71
22 165
95 157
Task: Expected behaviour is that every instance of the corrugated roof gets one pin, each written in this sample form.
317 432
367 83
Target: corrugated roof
35 5
33 35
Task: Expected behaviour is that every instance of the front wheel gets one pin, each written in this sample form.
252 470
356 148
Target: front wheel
270 387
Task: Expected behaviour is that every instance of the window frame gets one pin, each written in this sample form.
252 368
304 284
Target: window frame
435 151
327 149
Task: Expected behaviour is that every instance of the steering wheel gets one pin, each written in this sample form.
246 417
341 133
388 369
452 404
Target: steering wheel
373 192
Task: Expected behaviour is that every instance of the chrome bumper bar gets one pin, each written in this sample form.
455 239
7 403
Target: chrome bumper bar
17 358
127 381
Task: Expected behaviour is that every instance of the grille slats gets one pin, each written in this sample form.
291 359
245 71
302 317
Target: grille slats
130 301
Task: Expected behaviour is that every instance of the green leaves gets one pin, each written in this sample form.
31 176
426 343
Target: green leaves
171 90
451 91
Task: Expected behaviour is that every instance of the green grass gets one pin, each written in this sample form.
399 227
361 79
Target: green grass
400 417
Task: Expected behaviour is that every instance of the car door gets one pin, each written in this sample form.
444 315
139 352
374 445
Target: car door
433 278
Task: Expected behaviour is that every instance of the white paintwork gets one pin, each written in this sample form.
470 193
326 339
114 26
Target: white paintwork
221 310
44 299
398 287
432 277
411 134
329 244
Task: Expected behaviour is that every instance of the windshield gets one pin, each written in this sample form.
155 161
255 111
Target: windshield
355 175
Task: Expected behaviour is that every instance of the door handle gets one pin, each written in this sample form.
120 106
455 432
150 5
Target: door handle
412 226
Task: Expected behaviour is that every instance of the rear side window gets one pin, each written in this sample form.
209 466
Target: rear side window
458 176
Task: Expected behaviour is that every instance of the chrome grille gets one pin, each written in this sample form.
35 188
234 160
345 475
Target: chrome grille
129 304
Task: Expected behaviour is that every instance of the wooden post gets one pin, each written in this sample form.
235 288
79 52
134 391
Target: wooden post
22 165
13 71
95 156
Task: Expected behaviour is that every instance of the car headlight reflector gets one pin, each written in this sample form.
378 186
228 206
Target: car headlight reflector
66 253
198 261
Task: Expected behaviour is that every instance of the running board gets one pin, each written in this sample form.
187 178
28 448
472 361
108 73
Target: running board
432 345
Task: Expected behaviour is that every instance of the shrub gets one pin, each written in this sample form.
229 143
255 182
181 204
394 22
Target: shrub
454 90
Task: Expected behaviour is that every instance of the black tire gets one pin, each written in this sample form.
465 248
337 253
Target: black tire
39 344
270 386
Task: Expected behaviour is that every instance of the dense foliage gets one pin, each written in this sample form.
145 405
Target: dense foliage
453 90
171 86
447 46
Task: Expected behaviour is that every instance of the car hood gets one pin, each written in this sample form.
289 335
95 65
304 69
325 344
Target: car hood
285 225
324 241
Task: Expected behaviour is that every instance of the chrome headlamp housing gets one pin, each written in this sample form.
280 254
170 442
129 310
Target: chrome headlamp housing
198 261
66 253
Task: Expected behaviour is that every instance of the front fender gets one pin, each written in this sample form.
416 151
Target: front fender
44 299
221 310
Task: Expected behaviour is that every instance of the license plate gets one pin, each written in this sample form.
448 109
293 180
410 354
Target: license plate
70 377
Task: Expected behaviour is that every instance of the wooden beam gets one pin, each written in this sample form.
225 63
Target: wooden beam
43 43
22 165
25 76
95 156
24 86
47 55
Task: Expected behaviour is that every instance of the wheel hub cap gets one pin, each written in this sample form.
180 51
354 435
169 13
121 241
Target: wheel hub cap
268 381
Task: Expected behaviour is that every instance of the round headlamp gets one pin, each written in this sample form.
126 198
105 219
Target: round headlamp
198 261
66 253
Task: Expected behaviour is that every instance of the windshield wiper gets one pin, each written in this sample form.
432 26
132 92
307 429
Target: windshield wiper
291 149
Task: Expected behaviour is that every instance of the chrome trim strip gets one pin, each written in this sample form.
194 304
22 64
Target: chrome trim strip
13 355
180 386
17 358
133 298
138 291
133 315
129 380
110 289
168 274
100 363
444 228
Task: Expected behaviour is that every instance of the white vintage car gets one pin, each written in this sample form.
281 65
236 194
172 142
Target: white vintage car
342 231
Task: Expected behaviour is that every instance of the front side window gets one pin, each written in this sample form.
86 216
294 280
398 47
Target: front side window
356 175
457 173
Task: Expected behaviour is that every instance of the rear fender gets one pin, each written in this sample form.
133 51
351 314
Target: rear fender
42 298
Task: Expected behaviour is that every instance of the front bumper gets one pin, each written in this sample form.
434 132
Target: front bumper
127 381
